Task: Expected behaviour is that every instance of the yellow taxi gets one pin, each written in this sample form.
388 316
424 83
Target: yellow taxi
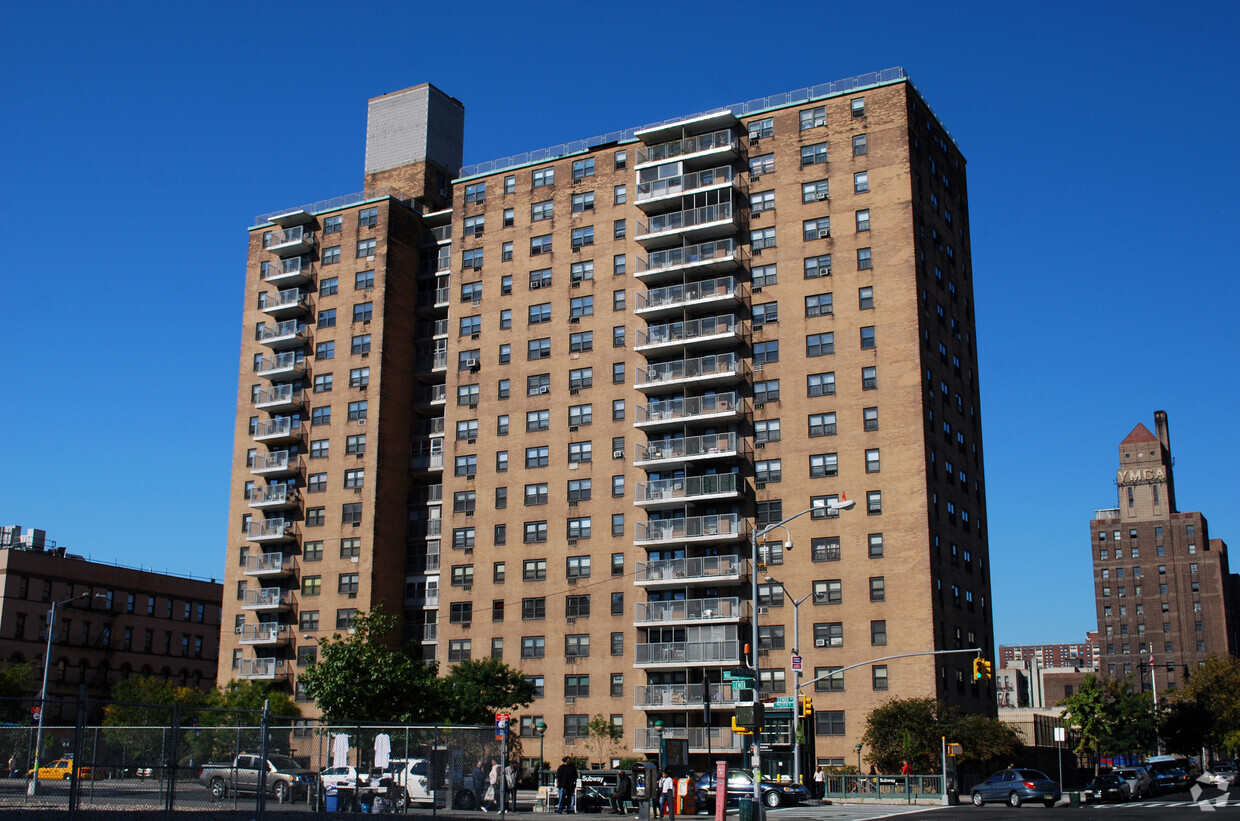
63 770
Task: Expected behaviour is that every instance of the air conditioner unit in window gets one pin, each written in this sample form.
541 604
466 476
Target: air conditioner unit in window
617 454
823 196
824 233
570 699
576 283
757 289
574 319
759 405
759 445
361 421
762 611
471 363
759 485
572 542
536 284
543 388
572 502
820 642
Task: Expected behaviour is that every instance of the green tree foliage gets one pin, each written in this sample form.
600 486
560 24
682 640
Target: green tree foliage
17 681
1206 710
1110 716
363 677
912 729
602 738
474 690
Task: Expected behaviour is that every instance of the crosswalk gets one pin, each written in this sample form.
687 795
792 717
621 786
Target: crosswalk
1206 804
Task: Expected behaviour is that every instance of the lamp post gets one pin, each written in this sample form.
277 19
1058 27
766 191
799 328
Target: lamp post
858 749
32 786
796 677
843 503
658 728
541 727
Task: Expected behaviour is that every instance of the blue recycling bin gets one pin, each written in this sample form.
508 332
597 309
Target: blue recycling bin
331 802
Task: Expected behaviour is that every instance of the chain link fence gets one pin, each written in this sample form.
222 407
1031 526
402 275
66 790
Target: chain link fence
131 757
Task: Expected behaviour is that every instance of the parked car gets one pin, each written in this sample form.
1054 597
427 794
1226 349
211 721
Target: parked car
342 777
1139 783
63 770
1171 779
740 782
1109 787
286 779
1015 786
1222 775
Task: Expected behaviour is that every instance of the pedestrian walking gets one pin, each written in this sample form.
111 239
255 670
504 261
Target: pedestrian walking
510 786
820 783
667 795
478 783
566 782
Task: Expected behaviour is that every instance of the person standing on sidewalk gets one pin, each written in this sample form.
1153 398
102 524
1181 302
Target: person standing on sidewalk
566 782
820 783
667 795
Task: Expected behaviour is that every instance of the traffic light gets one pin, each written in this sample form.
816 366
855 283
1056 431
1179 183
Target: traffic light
988 669
750 716
979 669
807 707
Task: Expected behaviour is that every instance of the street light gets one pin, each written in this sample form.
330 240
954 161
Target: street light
842 503
541 727
658 728
32 787
796 677
858 749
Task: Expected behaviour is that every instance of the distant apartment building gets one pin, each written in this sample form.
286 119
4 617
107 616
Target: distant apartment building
1083 654
538 406
123 621
1166 598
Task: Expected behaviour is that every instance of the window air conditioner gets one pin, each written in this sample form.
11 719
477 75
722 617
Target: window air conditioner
824 233
617 454
762 611
820 642
361 421
823 196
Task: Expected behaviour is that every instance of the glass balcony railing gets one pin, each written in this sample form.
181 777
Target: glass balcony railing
430 632
686 408
701 368
273 496
689 447
266 598
687 489
285 303
685 183
262 668
268 564
718 609
679 296
663 152
715 527
688 652
278 396
281 365
717 253
265 633
722 739
680 696
270 530
273 463
685 220
432 395
279 428
287 334
701 568
291 271
291 241
678 333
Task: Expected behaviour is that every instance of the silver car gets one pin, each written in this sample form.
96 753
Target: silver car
1139 782
1016 786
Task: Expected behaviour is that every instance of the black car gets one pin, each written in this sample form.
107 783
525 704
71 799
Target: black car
1109 787
1171 779
740 782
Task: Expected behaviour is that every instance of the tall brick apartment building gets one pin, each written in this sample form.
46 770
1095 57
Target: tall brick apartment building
1166 598
539 405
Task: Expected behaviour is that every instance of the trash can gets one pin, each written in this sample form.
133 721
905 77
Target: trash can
331 803
746 808
1074 798
953 797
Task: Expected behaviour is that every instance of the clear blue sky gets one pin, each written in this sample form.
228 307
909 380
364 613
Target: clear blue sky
139 141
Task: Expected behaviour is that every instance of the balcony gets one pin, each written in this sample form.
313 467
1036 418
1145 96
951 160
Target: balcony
278 430
430 633
678 411
694 333
275 464
682 653
437 361
682 696
696 224
282 304
676 263
690 610
284 335
273 497
652 194
268 565
292 242
716 146
293 271
279 399
425 460
271 530
1106 513
722 739
677 492
281 367
723 291
689 449
431 395
263 669
298 216
267 633
703 569
267 598
714 369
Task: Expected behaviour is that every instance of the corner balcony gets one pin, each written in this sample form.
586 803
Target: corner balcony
678 411
682 696
709 331
268 566
292 242
678 492
429 396
275 464
700 570
279 399
281 367
691 611
656 193
722 739
688 225
677 263
682 653
437 361
275 431
430 633
284 335
266 634
425 460
273 497
294 271
271 531
715 147
714 369
267 598
263 669
723 293
283 304
690 449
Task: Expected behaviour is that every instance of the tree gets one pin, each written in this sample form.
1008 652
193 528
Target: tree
1206 710
1088 711
602 738
912 729
17 682
362 677
474 690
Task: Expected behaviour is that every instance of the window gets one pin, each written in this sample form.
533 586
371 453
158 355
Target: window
316 516
878 676
863 220
861 182
828 591
323 383
822 424
617 644
537 420
763 275
621 159
534 570
583 168
579 378
510 217
815 154
471 258
466 465
618 335
538 349
543 177
766 391
344 618
360 345
580 415
766 430
540 211
874 502
535 532
537 457
766 313
580 452
865 298
311 585
461 612
764 352
860 148
581 271
762 201
878 588
347 583
327 318
816 229
818 305
819 266
535 494
541 312
505 353
359 377
540 245
820 344
768 470
617 373
858 107
823 464
762 128
537 384
619 265
366 248
510 184
476 193
581 342
351 514
620 194
581 306
333 225
869 378
576 646
813 117
764 164
762 238
330 256
474 226
467 394
460 650
470 325
829 634
328 286
816 191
